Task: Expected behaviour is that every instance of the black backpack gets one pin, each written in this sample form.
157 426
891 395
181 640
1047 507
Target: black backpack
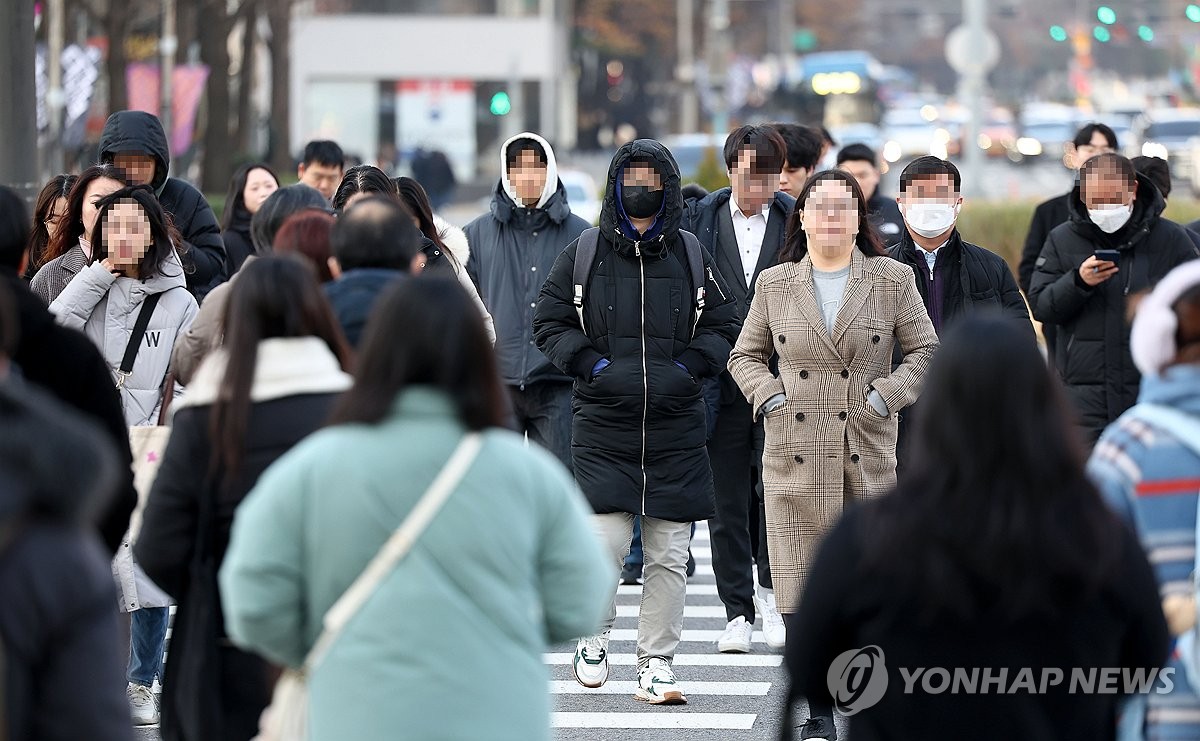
585 256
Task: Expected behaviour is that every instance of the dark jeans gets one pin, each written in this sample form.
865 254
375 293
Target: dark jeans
148 634
543 412
735 452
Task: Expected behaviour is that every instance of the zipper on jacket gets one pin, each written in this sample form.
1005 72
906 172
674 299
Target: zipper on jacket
637 250
1129 275
716 284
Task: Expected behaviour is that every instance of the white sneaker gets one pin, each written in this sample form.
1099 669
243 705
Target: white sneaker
142 706
591 661
773 628
736 638
657 685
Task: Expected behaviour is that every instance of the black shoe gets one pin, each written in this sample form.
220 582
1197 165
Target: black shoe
819 729
691 564
631 576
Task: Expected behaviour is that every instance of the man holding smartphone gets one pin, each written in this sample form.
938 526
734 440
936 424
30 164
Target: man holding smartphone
1115 244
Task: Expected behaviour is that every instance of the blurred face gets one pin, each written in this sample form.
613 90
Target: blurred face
1084 152
1106 187
528 177
55 215
865 173
96 190
792 179
259 185
752 187
830 218
324 178
138 167
126 235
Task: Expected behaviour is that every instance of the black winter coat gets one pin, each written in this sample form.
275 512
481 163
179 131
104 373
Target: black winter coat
212 690
886 216
985 281
638 430
353 295
1092 352
204 252
709 219
1046 217
236 238
68 365
63 669
512 252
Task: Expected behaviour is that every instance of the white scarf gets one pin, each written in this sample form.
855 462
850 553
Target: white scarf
286 367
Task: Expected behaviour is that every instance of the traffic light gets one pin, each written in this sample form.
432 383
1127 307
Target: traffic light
501 104
1145 33
1193 13
1102 34
1058 33
1106 15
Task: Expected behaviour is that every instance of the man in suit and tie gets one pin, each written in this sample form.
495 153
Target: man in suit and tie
743 227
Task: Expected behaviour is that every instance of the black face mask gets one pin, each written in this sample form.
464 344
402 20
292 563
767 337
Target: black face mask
640 202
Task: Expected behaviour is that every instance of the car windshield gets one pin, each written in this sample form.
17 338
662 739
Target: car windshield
1173 129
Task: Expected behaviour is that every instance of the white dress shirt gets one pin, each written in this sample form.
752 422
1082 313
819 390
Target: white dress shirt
750 232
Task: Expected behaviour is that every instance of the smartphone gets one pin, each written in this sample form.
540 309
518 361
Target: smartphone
1108 255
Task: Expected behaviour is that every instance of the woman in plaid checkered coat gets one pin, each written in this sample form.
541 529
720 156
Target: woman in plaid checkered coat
831 313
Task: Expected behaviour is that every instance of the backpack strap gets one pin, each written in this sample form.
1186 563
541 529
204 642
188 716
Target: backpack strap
585 255
135 337
1182 426
695 260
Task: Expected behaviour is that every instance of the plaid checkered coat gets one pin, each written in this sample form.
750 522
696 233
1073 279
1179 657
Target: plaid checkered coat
825 445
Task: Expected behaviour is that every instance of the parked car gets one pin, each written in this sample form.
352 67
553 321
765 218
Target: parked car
1168 134
689 151
1043 140
582 194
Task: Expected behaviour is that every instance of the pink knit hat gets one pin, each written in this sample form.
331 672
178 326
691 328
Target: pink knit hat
1152 340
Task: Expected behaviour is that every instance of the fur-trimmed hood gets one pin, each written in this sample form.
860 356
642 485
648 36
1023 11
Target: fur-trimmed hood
288 366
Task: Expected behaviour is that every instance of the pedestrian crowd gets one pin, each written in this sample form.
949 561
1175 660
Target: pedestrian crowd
362 465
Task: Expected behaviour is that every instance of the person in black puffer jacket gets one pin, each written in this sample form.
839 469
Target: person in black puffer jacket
60 658
638 430
250 186
1113 208
135 142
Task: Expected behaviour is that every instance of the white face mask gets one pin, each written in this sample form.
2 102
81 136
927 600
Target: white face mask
1111 217
930 219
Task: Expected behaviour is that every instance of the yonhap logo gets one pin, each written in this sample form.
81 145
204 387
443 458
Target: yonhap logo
857 679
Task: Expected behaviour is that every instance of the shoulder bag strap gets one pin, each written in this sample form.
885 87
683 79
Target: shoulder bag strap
585 255
396 547
135 338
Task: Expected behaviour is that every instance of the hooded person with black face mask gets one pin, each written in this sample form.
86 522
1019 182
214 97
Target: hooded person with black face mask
639 336
512 250
1115 245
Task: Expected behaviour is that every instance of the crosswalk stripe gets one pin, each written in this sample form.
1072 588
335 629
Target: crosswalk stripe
692 589
689 611
713 659
728 689
693 721
692 636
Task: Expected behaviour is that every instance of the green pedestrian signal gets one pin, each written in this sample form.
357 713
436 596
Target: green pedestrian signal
1193 13
1102 34
1058 33
501 104
1106 15
1145 33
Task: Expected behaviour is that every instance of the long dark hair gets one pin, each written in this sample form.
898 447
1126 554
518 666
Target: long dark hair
994 513
59 186
164 239
363 179
235 199
867 240
425 332
416 200
274 296
68 233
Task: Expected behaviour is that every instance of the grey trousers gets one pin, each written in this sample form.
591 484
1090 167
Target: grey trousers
664 575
